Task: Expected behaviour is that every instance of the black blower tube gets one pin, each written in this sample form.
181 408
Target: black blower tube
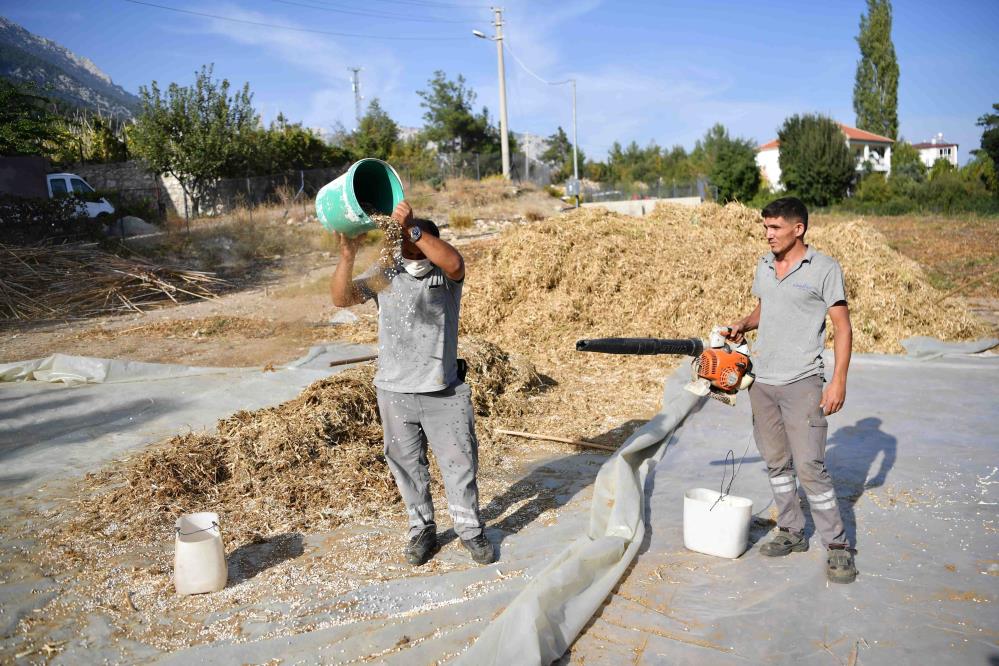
686 347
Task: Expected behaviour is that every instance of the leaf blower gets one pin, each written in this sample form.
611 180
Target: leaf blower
718 371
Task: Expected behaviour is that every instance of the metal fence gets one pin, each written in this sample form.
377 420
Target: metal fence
659 189
295 187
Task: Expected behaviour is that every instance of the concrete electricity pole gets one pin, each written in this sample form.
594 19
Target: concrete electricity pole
356 85
504 134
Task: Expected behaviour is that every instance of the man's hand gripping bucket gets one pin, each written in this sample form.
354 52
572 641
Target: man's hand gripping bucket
199 557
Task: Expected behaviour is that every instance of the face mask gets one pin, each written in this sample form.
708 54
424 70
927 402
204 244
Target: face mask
417 267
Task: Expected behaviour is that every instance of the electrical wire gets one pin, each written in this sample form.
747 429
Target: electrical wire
328 7
429 3
506 47
293 28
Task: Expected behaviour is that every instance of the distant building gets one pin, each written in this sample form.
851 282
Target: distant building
871 151
936 149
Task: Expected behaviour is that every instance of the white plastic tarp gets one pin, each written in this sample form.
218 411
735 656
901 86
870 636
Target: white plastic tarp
543 620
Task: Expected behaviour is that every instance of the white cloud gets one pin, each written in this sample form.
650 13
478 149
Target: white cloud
320 60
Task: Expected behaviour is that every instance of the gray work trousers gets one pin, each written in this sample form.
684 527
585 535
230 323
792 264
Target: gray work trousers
446 420
790 431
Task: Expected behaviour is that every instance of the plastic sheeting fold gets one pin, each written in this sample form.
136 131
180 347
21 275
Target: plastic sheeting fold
541 623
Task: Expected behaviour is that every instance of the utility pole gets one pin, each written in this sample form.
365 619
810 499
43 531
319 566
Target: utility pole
356 85
498 38
504 138
575 155
575 142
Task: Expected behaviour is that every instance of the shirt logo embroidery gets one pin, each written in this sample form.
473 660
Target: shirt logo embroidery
802 286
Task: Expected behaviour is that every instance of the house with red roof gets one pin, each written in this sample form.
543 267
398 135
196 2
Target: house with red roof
872 151
936 149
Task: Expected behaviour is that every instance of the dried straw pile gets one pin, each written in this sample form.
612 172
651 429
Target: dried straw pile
673 274
313 462
678 272
67 281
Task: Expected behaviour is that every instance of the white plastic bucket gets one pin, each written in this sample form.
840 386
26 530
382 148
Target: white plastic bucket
199 557
722 531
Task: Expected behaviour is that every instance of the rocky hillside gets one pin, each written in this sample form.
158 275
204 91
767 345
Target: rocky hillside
64 75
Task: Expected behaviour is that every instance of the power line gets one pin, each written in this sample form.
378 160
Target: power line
293 28
383 15
430 3
506 47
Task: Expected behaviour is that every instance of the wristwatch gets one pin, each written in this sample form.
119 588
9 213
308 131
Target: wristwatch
415 234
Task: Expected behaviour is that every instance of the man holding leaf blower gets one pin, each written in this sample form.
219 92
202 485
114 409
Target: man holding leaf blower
797 287
422 396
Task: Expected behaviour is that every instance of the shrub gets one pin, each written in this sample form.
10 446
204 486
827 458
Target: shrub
460 220
26 221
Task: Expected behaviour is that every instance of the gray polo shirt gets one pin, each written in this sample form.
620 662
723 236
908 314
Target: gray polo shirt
792 330
417 328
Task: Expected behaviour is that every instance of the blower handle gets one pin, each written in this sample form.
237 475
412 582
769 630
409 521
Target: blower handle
643 346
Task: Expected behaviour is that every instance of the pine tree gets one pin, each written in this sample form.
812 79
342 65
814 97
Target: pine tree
875 90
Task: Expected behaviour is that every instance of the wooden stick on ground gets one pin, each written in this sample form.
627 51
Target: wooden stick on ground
966 285
356 359
550 438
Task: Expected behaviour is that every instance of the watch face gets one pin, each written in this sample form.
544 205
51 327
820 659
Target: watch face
415 233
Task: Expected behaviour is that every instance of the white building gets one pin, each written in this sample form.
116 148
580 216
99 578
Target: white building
936 149
869 149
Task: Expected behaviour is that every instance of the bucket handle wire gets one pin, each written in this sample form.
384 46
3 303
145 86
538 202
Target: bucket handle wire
214 526
724 490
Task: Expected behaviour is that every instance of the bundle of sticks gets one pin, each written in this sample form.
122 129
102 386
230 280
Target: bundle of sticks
68 282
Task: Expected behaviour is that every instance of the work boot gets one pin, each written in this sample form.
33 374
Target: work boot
422 547
481 549
785 543
840 567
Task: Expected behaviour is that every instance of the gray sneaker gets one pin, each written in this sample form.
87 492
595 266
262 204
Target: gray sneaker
481 549
784 542
422 547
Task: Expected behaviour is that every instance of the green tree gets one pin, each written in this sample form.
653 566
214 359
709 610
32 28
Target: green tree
195 133
990 135
27 124
559 155
815 162
981 171
735 173
450 121
729 163
376 134
287 146
906 163
875 88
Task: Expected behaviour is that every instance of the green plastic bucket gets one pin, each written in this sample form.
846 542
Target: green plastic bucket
371 181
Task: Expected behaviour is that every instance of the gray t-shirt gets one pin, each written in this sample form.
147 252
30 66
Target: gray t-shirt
417 328
793 310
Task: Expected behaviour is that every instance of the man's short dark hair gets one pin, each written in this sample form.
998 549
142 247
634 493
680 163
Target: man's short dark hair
791 209
427 226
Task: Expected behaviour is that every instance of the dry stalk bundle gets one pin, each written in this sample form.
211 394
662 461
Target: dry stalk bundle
59 282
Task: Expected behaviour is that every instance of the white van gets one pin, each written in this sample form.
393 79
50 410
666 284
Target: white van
64 184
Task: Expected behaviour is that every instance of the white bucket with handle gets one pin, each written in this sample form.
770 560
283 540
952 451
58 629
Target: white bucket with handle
199 557
714 524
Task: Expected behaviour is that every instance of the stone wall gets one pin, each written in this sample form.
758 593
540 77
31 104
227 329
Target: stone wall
133 181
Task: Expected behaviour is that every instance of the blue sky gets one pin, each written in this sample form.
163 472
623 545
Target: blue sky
646 71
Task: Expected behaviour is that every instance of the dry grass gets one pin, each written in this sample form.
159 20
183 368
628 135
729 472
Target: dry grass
953 250
460 220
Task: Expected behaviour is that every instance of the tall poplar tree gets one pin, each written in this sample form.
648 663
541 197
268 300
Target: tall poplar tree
875 89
